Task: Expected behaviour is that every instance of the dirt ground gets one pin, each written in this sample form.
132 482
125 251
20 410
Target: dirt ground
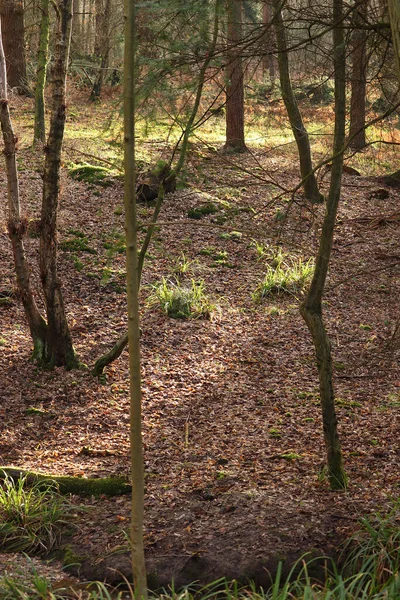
233 443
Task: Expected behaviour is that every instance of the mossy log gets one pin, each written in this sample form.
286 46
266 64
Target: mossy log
80 486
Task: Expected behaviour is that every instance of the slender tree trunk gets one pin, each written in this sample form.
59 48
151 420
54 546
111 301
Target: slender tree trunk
39 133
358 80
12 13
268 61
394 16
311 309
16 226
310 185
132 276
120 345
59 350
235 141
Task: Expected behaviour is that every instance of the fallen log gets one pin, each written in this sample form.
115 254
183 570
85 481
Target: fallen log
69 484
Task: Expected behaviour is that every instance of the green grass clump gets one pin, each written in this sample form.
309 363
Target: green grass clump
76 242
92 174
201 211
286 278
31 517
182 302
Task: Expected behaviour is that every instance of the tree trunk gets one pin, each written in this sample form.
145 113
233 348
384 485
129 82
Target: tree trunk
16 226
59 349
12 16
394 17
268 61
357 139
132 277
300 134
311 309
103 47
235 141
39 133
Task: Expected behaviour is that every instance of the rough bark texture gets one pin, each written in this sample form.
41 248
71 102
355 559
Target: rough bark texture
16 227
12 18
39 132
310 185
358 80
311 308
235 140
59 350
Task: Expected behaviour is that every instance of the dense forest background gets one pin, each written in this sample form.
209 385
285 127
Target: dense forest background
225 175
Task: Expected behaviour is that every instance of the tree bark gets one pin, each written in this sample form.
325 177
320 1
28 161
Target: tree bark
268 60
102 47
300 134
12 14
235 140
357 139
311 309
16 226
59 348
39 132
132 279
394 17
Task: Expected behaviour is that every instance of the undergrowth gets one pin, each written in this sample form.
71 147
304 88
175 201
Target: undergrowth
369 571
31 517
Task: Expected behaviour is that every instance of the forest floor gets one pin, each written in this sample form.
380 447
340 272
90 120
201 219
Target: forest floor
233 441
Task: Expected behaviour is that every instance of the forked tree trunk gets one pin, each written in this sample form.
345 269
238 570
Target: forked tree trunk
357 139
39 132
12 14
132 279
300 134
16 227
235 141
59 349
311 309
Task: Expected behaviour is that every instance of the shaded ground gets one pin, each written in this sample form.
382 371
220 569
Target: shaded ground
234 452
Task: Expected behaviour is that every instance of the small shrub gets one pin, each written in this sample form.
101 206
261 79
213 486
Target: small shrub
285 278
182 302
31 517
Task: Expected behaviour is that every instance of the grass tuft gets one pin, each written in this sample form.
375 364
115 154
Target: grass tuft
182 302
285 278
31 517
